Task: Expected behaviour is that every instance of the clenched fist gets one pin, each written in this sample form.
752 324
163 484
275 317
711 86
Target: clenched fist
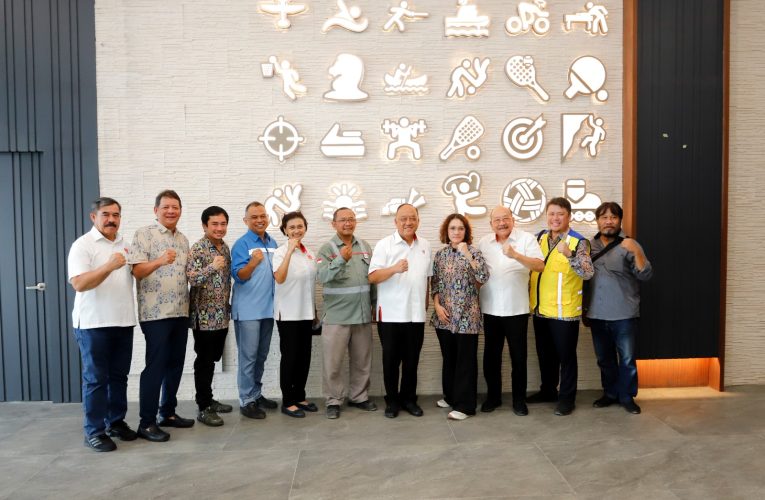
564 249
219 262
168 257
116 261
401 266
255 257
346 253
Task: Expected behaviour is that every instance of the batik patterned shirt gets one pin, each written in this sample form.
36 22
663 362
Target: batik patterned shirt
457 283
210 288
164 293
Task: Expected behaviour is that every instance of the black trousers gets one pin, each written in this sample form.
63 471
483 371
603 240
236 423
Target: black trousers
295 347
401 346
556 348
208 344
514 330
459 372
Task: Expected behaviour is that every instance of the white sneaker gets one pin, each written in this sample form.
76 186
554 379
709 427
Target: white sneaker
456 415
441 403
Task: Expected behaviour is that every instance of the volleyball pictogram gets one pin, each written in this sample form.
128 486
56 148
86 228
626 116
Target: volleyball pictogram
525 198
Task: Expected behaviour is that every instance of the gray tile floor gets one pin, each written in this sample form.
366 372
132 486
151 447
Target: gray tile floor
688 443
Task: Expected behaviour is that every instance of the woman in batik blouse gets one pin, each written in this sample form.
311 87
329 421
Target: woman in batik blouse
459 270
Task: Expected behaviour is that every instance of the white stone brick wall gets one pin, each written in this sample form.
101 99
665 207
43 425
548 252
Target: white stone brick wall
181 103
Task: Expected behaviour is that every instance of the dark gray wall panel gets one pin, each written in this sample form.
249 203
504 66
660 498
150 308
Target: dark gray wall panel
48 106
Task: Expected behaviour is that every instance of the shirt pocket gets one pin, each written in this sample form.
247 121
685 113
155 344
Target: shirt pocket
559 264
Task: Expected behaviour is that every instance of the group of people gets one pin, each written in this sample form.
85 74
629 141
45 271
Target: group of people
492 287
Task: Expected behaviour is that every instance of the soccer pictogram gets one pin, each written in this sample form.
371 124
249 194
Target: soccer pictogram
281 139
525 198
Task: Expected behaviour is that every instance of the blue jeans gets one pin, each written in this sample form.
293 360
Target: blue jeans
165 354
106 355
612 338
253 340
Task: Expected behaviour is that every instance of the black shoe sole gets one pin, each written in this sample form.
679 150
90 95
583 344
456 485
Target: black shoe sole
159 439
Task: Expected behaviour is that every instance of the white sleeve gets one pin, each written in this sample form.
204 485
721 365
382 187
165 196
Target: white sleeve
79 260
279 256
533 249
379 258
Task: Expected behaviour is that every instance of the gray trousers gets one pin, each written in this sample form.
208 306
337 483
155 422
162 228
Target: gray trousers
357 340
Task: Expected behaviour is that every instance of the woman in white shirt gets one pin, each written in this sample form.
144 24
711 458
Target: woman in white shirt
294 312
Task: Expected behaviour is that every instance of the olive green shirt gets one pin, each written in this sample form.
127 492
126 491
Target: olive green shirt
348 296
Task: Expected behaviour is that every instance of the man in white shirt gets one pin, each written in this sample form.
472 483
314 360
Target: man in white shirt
400 267
510 253
103 317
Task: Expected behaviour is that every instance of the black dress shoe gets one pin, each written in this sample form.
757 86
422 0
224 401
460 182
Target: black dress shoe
364 405
391 411
413 409
541 397
631 407
176 420
333 412
308 406
604 401
153 433
266 403
100 442
490 406
252 410
121 431
520 409
564 408
219 407
298 413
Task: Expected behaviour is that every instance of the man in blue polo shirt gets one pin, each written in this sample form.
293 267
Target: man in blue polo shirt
252 308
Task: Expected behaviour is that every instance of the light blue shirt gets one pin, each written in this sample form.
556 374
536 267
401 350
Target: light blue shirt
253 299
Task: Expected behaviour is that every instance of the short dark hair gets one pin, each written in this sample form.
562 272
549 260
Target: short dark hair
211 211
288 217
609 206
444 231
167 193
559 202
103 201
334 214
252 204
407 205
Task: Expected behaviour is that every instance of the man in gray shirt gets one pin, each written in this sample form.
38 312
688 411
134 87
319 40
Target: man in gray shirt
614 306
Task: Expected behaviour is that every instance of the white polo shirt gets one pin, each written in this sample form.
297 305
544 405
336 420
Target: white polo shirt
507 291
111 303
401 298
294 299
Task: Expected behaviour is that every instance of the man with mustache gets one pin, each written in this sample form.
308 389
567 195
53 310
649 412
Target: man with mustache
159 253
510 253
400 267
614 306
103 319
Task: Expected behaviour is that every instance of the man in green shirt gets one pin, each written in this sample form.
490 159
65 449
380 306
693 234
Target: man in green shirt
343 265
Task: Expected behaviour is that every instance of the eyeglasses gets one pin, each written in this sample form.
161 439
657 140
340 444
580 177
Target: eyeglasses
351 220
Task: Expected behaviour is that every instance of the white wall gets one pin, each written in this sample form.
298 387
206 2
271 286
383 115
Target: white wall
181 103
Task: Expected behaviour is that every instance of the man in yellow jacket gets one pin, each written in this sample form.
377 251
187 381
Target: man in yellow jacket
556 302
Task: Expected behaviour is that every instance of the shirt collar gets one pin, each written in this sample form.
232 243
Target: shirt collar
97 235
163 229
513 236
266 237
398 239
337 241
